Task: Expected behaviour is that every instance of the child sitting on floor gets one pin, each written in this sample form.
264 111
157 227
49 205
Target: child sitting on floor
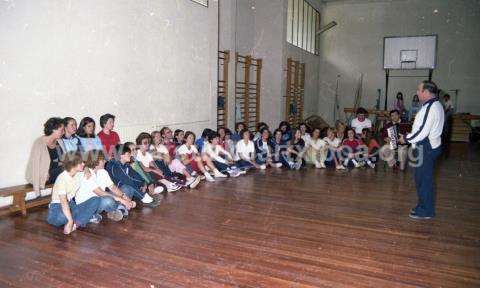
350 149
63 210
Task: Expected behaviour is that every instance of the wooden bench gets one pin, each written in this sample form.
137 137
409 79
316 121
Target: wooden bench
19 203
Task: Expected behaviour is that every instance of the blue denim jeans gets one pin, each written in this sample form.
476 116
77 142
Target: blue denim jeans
107 204
132 193
81 214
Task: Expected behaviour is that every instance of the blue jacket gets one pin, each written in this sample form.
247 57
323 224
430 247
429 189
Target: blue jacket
199 143
123 174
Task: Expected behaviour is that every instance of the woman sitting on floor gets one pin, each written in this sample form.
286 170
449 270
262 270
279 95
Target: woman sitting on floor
44 164
245 152
296 150
286 131
334 155
63 210
317 150
173 169
148 163
306 136
221 158
189 155
340 130
258 133
263 150
86 134
279 149
221 136
228 143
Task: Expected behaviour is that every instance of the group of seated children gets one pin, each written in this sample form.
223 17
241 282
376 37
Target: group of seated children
96 173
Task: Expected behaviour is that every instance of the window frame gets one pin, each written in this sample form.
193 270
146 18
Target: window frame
302 24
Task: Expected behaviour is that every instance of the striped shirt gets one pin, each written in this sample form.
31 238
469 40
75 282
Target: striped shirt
428 123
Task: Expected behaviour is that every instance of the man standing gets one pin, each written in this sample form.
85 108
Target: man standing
426 137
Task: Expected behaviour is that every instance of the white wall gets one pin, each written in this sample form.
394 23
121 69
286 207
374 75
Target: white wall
355 46
258 27
270 27
312 69
151 63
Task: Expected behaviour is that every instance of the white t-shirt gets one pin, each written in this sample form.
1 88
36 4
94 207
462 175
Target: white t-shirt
160 148
144 159
101 180
183 150
359 125
306 138
216 152
318 144
244 151
65 185
332 143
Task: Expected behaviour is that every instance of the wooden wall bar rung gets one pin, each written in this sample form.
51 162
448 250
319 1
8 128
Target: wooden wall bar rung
295 84
222 93
247 89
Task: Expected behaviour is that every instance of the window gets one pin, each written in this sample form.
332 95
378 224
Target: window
302 23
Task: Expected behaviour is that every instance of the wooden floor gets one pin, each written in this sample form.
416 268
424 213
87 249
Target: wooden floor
312 228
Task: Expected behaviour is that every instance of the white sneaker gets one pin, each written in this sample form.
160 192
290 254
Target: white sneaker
358 165
209 177
263 167
318 165
323 166
158 190
234 173
173 187
340 167
96 218
192 182
219 174
242 172
147 199
278 165
371 164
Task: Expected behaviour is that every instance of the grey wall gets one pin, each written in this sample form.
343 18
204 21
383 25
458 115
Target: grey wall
259 28
151 63
355 46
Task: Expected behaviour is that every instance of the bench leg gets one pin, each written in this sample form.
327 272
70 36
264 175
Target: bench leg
19 203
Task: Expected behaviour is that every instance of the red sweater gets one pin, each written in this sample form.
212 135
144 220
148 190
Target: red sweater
109 141
352 144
